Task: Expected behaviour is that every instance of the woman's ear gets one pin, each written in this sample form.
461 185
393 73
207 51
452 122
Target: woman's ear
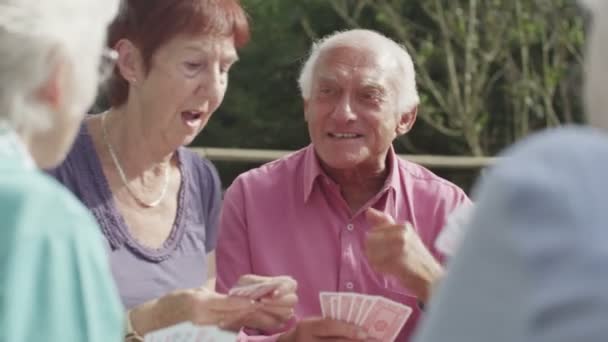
130 62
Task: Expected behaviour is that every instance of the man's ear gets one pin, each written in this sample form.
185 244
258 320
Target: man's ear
305 110
52 91
130 62
406 121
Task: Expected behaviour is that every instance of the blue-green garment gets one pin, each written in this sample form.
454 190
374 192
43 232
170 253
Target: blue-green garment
55 281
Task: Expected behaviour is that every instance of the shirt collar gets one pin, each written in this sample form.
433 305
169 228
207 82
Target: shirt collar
313 171
12 147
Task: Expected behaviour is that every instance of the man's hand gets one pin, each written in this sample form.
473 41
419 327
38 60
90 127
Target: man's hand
323 329
396 249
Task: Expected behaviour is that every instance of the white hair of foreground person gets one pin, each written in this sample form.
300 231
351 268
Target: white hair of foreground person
596 66
37 36
407 96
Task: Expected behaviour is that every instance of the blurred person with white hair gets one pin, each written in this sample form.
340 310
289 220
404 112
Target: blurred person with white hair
55 282
532 266
332 214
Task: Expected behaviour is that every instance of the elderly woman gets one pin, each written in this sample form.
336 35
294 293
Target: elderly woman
532 266
156 201
55 279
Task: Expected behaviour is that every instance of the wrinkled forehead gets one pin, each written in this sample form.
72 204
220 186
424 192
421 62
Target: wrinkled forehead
355 63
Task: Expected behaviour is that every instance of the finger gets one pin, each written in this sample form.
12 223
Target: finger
264 321
280 313
382 243
286 285
235 321
289 300
377 218
249 279
226 304
328 328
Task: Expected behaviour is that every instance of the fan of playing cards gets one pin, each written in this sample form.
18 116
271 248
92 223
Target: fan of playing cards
254 291
188 332
380 317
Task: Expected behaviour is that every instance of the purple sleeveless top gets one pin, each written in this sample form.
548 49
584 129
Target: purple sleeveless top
142 273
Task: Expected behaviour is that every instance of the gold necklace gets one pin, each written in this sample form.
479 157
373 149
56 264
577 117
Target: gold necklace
123 177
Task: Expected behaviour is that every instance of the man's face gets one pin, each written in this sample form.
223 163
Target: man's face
352 111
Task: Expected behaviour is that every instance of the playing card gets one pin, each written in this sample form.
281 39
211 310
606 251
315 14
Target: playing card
324 298
333 300
254 291
180 332
213 334
454 230
385 319
368 302
188 332
382 318
357 301
345 301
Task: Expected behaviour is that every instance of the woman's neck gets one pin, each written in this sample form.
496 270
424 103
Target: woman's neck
138 148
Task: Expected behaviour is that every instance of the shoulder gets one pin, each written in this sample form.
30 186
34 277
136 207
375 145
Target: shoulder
74 162
427 183
273 175
82 143
567 158
556 179
201 168
42 207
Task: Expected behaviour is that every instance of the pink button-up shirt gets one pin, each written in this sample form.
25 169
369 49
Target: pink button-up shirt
288 218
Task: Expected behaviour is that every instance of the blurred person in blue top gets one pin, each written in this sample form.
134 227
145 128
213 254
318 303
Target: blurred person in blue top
55 282
532 266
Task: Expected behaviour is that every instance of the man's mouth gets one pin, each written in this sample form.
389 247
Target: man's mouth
344 135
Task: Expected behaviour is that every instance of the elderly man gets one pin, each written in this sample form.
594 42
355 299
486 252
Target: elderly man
532 267
325 215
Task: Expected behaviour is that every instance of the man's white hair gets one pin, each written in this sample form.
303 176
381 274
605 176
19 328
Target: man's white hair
33 35
407 96
596 65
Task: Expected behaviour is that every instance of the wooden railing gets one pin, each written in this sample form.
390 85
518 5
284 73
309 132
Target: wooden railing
262 156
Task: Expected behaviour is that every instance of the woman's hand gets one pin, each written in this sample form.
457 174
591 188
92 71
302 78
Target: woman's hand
200 306
272 310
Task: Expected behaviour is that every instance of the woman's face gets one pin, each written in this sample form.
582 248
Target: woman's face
186 83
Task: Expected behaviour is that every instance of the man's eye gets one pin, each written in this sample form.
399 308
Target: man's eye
224 69
193 66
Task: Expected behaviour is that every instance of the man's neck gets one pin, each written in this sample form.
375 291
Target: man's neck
361 184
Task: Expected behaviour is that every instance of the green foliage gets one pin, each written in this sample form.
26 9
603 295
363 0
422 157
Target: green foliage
490 72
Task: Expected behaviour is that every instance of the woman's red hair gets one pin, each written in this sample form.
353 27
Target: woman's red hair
151 23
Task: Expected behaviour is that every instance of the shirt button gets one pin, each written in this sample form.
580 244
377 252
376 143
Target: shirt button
350 227
350 285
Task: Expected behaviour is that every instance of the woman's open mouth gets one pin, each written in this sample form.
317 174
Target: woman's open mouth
192 118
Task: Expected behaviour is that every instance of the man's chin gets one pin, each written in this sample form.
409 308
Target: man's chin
343 162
